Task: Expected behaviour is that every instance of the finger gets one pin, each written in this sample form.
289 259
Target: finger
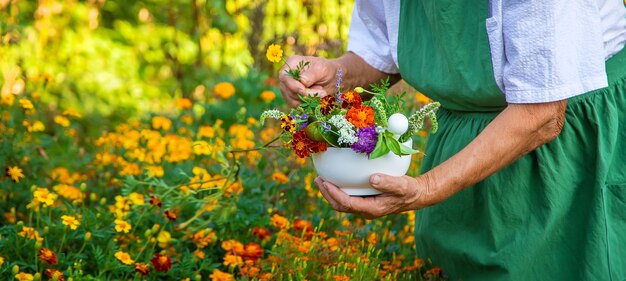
320 184
390 184
366 206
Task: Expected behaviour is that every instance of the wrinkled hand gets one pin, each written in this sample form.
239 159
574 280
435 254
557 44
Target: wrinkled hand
400 194
318 77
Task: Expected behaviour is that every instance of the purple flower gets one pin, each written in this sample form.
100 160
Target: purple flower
326 126
366 140
339 78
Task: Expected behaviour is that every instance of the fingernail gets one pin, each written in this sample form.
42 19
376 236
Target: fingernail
375 179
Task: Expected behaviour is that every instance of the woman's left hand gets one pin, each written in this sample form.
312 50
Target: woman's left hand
400 194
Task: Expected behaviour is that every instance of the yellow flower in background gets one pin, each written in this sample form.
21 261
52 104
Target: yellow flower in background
268 96
206 132
26 104
43 195
280 177
36 126
224 90
62 121
7 99
201 148
274 53
30 233
69 192
155 171
137 198
218 275
24 276
187 119
161 122
124 257
70 221
1 261
164 239
72 113
15 173
184 103
122 225
421 98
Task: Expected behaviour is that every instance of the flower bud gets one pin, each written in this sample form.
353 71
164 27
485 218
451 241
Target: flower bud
83 186
93 197
87 236
46 229
38 245
197 277
156 227
359 90
103 201
37 276
147 233
16 269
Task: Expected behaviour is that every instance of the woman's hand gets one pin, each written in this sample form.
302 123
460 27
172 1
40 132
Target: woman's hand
400 194
319 77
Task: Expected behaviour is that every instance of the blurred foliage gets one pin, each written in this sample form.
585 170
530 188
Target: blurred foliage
114 59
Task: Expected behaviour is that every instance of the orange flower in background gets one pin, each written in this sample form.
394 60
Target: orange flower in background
122 225
51 273
361 116
161 122
302 226
30 233
274 53
15 173
261 233
48 256
350 99
203 238
253 251
70 221
434 272
124 258
224 90
279 221
218 275
268 96
184 103
233 246
142 268
161 263
170 215
62 121
332 243
231 260
280 177
155 201
22 276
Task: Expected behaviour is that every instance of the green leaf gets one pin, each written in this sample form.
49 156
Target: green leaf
396 147
380 149
407 150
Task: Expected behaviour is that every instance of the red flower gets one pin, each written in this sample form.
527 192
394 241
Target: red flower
253 251
261 232
170 215
155 201
50 273
327 104
351 99
361 116
301 225
47 256
161 263
304 146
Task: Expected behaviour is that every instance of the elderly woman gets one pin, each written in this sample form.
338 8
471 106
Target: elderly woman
526 178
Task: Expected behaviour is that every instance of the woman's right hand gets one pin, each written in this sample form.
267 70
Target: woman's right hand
319 77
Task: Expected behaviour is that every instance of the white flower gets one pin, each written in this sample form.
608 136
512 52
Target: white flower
347 131
272 113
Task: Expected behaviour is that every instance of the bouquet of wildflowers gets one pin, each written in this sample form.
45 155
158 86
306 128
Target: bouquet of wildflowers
370 124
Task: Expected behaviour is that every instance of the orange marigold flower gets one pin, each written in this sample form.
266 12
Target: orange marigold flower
198 254
231 260
48 256
224 90
161 122
161 263
70 221
268 96
155 201
122 225
22 276
51 273
184 103
280 177
15 173
361 116
287 124
435 272
332 243
253 251
30 233
142 268
203 238
233 246
305 146
350 99
170 215
261 232
302 226
327 104
279 221
218 275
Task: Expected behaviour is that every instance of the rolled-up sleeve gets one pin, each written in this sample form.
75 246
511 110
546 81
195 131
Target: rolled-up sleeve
553 50
368 37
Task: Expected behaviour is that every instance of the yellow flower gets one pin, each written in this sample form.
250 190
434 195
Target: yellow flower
43 195
122 225
24 276
160 122
1 261
71 113
232 260
137 198
124 257
155 171
69 192
62 120
70 221
7 99
15 173
26 104
218 275
205 132
201 148
274 53
30 233
164 239
224 90
268 96
37 127
184 103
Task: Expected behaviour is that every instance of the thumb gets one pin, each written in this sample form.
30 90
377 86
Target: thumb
388 184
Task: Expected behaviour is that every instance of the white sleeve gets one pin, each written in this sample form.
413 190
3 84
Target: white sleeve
369 37
552 50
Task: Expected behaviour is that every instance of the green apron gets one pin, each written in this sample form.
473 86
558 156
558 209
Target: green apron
558 213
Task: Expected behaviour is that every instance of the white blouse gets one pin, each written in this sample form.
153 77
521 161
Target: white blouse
554 49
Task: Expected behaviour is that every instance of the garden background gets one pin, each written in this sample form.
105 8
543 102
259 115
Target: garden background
130 147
